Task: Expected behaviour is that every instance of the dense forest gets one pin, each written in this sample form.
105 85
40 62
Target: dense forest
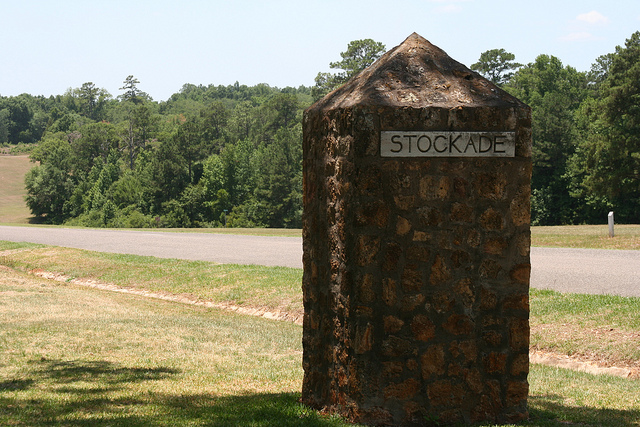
208 156
232 155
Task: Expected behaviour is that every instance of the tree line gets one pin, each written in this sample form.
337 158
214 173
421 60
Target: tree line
586 132
208 156
232 155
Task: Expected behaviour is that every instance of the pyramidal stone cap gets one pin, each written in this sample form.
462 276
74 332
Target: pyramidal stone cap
417 74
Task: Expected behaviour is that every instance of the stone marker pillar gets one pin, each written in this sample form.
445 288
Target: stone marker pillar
416 245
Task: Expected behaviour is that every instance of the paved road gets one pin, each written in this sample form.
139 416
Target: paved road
565 270
220 248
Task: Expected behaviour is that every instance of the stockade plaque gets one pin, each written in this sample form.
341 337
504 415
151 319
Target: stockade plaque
447 144
416 245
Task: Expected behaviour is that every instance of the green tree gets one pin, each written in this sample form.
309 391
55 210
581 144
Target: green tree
496 65
607 162
131 91
136 130
92 100
213 122
4 125
97 140
241 121
169 175
554 93
277 194
50 184
358 56
190 146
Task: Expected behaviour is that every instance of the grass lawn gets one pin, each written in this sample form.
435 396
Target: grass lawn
71 355
587 236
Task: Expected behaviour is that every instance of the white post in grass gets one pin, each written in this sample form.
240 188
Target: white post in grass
611 224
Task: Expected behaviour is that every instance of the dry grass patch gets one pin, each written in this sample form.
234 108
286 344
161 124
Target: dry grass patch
13 208
274 289
599 328
586 236
78 356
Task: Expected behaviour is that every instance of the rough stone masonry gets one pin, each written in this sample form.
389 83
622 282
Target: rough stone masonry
416 245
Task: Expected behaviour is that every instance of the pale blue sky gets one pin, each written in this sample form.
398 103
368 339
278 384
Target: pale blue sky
48 46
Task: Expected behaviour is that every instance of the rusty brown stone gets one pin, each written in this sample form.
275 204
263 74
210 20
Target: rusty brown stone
446 393
517 392
474 238
521 273
392 369
459 324
440 273
404 390
519 333
523 243
473 379
395 346
442 302
392 324
311 318
467 349
411 278
403 226
520 364
491 185
389 292
488 299
364 338
434 188
489 268
517 302
492 338
375 214
418 253
367 292
491 219
430 216
521 208
368 248
423 328
495 363
416 269
405 203
421 236
460 187
432 362
460 259
461 212
411 302
496 245
464 291
392 256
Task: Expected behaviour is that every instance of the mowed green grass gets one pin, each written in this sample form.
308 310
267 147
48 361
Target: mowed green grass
13 208
71 355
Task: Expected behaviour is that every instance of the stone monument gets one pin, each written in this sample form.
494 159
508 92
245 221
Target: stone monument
416 245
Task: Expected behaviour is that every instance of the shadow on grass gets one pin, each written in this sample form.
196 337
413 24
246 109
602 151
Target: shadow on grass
550 410
101 393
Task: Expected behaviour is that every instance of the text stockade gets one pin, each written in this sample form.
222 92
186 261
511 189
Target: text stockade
446 144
